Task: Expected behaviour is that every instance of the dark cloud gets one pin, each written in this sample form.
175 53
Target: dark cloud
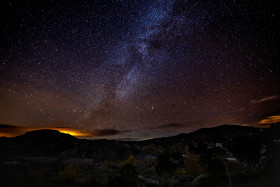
171 126
107 132
11 130
3 127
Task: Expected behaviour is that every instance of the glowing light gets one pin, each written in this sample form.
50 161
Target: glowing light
74 132
12 132
271 119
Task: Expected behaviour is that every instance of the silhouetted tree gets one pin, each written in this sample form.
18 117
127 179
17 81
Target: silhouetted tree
68 174
129 171
246 149
192 165
128 174
165 166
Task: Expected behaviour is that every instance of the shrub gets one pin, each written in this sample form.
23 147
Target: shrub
192 166
165 166
129 171
68 174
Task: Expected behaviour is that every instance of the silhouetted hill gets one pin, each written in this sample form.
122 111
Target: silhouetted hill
117 150
212 135
37 143
46 135
215 148
54 143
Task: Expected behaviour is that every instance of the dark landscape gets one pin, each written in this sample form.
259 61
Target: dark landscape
226 155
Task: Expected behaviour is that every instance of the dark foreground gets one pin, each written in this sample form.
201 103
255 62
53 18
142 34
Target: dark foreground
222 156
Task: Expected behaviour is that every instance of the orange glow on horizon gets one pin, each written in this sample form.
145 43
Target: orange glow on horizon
74 132
21 130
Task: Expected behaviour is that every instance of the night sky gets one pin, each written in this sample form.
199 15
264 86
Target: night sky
139 69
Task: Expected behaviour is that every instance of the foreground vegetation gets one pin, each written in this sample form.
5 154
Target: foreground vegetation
247 159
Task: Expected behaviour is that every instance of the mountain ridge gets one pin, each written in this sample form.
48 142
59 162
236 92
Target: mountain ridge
51 142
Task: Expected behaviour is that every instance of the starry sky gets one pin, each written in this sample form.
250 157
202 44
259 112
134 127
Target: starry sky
139 69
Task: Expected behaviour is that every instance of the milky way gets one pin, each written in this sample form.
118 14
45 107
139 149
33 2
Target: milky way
147 68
